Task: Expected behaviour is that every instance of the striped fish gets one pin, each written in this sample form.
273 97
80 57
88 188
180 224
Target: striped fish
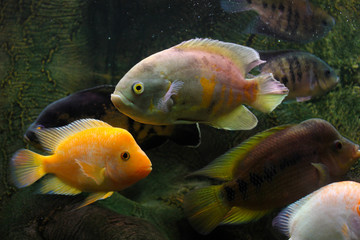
270 170
200 80
305 75
95 103
296 20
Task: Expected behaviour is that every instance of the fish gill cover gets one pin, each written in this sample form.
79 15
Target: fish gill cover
50 49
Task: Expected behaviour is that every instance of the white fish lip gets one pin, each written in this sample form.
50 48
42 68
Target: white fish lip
119 99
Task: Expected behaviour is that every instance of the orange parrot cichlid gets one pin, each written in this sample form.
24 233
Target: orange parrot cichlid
200 80
88 156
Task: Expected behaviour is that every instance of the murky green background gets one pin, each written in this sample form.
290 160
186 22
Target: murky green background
49 49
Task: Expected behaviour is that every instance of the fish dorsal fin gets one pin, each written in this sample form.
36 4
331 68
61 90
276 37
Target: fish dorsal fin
92 171
245 58
50 138
282 220
239 215
53 185
267 55
223 167
239 119
93 197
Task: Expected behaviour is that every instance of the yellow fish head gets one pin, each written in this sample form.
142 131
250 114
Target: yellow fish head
128 163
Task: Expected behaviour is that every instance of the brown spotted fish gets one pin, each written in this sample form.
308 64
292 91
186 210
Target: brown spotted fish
269 170
296 20
305 75
95 103
200 80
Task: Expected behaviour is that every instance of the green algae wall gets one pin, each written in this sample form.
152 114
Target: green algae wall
49 49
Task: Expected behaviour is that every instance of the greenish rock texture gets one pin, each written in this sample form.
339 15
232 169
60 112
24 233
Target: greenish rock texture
49 49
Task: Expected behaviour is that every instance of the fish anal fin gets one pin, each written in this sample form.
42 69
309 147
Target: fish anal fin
53 185
239 119
50 138
93 197
223 167
92 171
242 215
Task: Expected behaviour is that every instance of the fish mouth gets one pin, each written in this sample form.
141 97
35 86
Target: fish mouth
357 152
119 99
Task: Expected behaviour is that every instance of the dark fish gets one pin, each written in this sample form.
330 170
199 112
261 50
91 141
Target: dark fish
95 103
297 21
305 75
270 170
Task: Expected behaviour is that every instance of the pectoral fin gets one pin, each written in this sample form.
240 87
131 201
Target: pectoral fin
239 119
323 173
166 102
92 171
93 197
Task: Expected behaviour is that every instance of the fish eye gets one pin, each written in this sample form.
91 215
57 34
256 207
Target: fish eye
324 22
39 127
338 145
327 73
138 88
125 156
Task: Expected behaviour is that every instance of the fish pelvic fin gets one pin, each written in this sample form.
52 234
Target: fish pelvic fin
245 58
270 93
50 138
93 197
223 167
26 167
53 185
186 135
239 215
205 208
166 102
233 6
239 119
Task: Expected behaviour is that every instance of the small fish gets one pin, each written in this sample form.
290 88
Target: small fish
269 170
88 155
95 103
200 80
330 213
296 20
305 75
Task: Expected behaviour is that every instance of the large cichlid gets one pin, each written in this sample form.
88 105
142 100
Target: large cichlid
95 103
305 75
87 155
296 20
270 170
200 80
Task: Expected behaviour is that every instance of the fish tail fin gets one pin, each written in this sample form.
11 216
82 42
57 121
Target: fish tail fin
270 93
26 167
205 208
233 6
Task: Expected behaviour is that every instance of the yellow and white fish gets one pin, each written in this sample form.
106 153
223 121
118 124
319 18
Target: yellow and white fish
88 156
200 80
330 213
